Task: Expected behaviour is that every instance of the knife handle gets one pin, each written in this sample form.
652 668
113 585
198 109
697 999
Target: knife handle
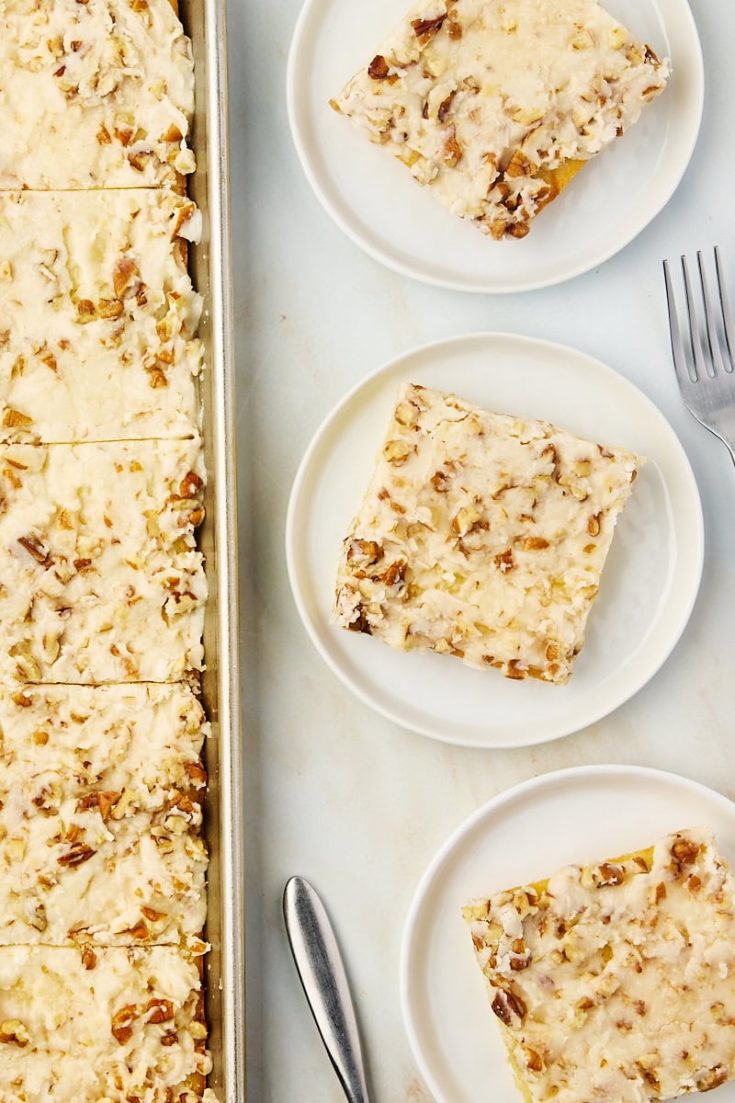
320 968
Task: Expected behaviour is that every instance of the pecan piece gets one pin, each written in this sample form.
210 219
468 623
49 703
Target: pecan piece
364 552
89 958
609 874
396 452
685 851
109 308
446 106
35 548
712 1079
190 485
425 29
78 854
124 272
519 165
13 1031
518 229
121 1025
103 800
452 154
161 1011
378 68
197 773
86 311
14 419
138 161
505 561
360 622
506 1004
396 574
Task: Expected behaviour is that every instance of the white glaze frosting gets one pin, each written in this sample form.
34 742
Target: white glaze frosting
482 536
100 791
93 94
97 316
100 579
615 982
58 1011
485 100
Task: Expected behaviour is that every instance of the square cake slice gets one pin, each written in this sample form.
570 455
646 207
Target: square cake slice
496 105
102 1026
616 981
98 94
97 316
100 578
100 815
482 536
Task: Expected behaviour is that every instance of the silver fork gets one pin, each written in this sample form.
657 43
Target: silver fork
704 350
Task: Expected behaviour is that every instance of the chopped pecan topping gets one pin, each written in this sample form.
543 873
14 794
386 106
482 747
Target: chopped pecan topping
609 874
197 773
712 1079
519 165
452 154
593 524
125 272
425 29
89 958
78 854
396 573
684 851
364 552
378 68
505 561
122 1020
190 485
35 549
13 1031
102 800
14 419
109 308
445 106
360 622
86 310
159 1011
506 1004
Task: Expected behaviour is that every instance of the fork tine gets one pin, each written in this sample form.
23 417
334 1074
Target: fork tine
677 345
713 341
700 364
724 305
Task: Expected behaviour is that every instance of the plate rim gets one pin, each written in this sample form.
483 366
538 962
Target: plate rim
309 9
295 573
490 807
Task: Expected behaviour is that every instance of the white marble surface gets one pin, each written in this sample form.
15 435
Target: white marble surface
333 791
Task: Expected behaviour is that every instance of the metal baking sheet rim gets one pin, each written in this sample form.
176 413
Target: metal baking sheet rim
205 23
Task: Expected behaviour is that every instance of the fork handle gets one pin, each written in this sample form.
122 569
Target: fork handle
724 429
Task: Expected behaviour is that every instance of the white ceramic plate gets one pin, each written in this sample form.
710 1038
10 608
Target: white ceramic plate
650 581
523 835
376 202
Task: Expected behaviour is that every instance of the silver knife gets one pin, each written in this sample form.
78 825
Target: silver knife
323 977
